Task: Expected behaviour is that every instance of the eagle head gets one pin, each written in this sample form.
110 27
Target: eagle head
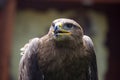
65 29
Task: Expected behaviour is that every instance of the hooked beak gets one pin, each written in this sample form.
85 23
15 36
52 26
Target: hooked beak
59 31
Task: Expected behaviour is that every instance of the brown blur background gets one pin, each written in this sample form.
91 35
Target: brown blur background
21 20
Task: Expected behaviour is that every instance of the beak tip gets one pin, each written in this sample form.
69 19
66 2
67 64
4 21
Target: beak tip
56 28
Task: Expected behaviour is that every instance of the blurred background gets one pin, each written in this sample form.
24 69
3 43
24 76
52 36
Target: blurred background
22 20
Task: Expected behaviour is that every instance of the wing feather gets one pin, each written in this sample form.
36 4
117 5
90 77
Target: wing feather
28 67
92 66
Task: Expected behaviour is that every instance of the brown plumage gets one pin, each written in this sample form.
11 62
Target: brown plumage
63 54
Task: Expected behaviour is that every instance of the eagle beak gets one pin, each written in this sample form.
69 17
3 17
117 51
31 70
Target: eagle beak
59 31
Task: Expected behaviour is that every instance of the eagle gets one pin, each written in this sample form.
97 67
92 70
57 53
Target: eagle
64 53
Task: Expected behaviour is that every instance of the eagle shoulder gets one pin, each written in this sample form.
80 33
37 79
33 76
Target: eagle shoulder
32 45
92 70
28 67
88 42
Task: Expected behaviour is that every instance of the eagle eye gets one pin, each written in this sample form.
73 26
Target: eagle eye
53 24
68 26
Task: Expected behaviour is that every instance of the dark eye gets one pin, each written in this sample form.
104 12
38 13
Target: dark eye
53 24
68 26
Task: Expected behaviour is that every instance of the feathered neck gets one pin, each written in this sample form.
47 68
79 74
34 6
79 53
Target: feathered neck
67 43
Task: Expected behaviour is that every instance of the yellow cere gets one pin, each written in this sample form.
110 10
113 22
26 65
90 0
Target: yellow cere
60 25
